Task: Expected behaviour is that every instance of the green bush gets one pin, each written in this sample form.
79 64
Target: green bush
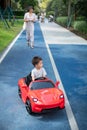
81 18
50 13
19 17
19 13
81 26
62 21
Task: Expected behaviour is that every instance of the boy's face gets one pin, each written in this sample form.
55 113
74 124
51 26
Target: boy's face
39 65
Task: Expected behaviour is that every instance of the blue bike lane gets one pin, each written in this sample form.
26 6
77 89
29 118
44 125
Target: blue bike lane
71 62
17 64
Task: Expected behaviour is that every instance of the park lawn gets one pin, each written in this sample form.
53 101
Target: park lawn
7 35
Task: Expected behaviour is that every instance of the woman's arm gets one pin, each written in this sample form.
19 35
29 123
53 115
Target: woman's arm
35 18
25 20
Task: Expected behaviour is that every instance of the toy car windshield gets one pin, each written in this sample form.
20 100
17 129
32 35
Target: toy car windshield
41 85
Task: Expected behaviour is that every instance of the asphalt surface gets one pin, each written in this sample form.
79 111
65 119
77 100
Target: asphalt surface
71 61
69 54
17 64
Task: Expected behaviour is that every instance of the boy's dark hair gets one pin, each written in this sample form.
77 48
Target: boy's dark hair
36 60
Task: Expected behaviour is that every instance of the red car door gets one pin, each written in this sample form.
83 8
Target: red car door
25 90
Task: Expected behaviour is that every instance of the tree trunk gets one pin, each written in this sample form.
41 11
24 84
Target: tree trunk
69 12
69 8
74 12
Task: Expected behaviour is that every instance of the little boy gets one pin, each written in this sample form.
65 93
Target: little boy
38 70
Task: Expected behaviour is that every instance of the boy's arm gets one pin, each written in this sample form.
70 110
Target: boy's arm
44 73
33 78
32 75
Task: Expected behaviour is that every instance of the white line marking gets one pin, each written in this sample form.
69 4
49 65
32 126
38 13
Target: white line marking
70 115
74 44
9 47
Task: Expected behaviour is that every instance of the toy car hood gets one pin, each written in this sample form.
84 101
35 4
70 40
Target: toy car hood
46 95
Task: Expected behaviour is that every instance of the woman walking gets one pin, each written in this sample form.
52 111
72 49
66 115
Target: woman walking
30 18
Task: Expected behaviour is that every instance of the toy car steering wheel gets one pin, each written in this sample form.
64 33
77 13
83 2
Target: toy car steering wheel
40 78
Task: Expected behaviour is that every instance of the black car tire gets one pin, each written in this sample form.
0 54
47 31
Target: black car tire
19 92
28 106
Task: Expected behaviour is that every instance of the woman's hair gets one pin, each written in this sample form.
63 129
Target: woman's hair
29 8
36 60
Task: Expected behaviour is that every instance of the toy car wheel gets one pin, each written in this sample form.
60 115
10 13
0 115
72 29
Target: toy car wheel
19 92
28 106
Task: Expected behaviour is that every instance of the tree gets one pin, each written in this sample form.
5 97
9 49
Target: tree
15 5
25 3
43 4
58 7
75 8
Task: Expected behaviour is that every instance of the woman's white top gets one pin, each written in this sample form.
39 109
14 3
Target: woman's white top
29 24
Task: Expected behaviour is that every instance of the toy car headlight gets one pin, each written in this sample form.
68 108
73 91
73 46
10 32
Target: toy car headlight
35 99
61 96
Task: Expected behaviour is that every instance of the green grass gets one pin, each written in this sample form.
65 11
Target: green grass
7 35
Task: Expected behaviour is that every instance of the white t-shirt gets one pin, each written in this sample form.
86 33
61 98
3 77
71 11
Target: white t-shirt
29 24
38 73
29 17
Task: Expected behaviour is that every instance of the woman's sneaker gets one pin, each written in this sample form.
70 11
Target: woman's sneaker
32 45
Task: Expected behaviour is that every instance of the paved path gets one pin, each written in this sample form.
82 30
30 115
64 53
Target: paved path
69 60
17 63
55 34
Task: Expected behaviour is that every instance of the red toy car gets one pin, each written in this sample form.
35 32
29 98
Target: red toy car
40 95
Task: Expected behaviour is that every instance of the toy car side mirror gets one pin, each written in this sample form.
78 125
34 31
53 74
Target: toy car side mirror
57 83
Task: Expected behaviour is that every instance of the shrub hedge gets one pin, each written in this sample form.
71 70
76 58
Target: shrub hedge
62 21
19 13
81 26
50 13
